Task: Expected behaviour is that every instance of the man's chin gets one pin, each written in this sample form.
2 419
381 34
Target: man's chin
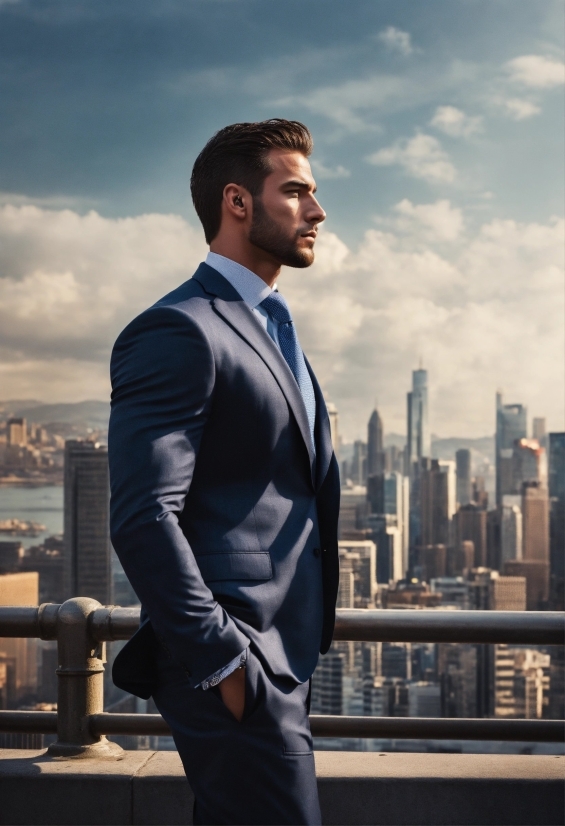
299 259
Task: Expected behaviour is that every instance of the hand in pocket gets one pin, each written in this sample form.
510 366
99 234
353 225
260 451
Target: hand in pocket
232 691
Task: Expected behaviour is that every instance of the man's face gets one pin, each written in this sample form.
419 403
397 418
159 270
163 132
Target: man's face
286 214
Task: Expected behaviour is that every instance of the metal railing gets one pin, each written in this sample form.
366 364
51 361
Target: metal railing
82 626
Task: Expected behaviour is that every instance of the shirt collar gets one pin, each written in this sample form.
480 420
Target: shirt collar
251 288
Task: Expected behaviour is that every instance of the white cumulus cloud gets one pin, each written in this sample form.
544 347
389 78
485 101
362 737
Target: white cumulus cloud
421 156
328 173
520 109
437 222
536 71
454 122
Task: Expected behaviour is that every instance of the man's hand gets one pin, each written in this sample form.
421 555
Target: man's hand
232 689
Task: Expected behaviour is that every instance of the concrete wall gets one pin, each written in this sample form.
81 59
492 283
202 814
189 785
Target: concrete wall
355 788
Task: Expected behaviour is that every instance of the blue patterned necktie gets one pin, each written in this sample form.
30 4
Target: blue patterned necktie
289 346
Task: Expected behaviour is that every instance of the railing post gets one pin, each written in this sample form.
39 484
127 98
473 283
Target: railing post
80 684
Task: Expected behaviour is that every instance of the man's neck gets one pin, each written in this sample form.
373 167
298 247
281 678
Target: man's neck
251 257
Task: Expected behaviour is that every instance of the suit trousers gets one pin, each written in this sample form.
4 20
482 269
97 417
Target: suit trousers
257 771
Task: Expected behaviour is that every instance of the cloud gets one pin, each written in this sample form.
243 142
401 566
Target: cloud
519 109
435 222
488 314
70 282
396 40
454 122
536 71
491 316
328 173
421 156
348 103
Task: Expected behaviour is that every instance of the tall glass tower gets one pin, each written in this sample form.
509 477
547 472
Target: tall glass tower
86 563
419 443
511 424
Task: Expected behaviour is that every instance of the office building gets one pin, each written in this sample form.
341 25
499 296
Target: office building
511 528
461 558
511 425
375 451
529 464
436 504
453 591
387 536
536 576
419 442
358 574
18 656
521 683
470 523
334 427
535 522
424 699
557 519
457 670
388 501
358 468
352 512
539 431
432 559
491 591
87 570
327 684
464 480
16 432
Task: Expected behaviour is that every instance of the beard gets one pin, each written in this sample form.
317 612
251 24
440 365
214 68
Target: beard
270 237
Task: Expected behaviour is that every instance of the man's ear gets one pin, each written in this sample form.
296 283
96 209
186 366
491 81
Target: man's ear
236 200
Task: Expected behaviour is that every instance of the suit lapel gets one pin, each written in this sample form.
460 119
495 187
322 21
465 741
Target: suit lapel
231 307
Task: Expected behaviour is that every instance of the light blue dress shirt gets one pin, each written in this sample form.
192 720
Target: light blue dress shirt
253 291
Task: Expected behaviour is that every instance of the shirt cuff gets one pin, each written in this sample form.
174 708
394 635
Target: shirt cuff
222 673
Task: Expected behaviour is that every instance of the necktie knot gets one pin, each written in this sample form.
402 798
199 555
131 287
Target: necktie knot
277 308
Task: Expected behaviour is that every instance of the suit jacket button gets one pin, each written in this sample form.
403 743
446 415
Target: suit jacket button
316 552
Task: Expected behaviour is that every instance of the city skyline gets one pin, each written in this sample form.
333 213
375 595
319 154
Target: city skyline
438 155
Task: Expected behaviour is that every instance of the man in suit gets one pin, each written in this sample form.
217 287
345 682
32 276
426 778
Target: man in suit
225 490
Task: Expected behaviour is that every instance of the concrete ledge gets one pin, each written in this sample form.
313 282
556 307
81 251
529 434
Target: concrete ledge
149 788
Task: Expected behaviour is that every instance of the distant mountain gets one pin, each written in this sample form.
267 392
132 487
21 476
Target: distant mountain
394 440
92 413
8 408
446 448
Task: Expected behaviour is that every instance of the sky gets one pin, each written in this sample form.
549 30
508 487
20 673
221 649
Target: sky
439 154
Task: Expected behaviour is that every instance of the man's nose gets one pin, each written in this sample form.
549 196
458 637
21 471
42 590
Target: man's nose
315 214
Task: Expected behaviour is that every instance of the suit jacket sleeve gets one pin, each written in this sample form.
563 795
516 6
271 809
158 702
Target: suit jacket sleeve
163 375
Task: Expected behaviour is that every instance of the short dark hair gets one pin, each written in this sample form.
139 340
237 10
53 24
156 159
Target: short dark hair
238 154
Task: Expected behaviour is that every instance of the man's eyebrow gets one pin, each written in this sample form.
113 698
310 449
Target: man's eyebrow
300 185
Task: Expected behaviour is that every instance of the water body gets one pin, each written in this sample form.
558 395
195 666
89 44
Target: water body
41 504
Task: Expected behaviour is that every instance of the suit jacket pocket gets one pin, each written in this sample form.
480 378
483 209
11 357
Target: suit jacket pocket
246 565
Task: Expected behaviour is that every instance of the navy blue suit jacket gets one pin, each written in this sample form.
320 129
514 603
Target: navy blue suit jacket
224 522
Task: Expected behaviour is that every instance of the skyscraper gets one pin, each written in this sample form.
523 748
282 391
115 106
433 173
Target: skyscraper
464 485
535 526
86 565
539 432
511 424
471 524
511 528
529 464
334 427
375 452
419 443
435 505
557 518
